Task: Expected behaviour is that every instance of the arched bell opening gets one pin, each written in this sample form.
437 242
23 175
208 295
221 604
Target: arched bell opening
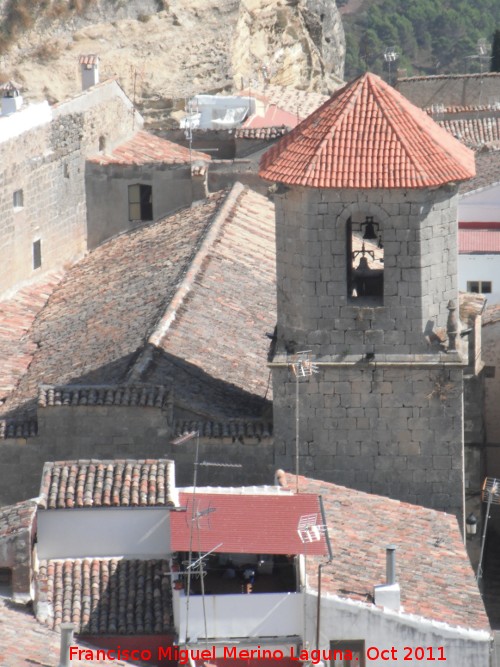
365 260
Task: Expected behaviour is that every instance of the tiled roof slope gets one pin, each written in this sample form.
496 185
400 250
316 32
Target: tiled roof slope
218 329
485 241
116 483
145 148
235 430
367 136
25 643
432 566
109 395
300 103
255 523
17 312
11 428
16 518
487 172
94 324
107 596
474 132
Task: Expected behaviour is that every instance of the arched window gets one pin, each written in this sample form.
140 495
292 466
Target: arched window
365 260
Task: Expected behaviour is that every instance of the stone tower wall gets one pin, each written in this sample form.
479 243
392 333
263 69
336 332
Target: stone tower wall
420 258
394 431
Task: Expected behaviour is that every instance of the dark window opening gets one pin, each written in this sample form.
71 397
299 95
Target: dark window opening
66 170
18 199
37 254
102 143
347 653
479 286
140 202
5 581
365 261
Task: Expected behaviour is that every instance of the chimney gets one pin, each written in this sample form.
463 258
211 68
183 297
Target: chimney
388 595
11 98
66 641
90 70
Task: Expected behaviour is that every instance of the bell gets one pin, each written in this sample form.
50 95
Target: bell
369 234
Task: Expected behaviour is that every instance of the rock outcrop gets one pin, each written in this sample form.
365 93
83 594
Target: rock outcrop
296 43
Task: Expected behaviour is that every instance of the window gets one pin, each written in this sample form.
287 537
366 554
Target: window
348 653
18 199
37 254
479 286
140 202
365 260
5 581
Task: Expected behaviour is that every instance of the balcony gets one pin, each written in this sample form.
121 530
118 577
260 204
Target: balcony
239 615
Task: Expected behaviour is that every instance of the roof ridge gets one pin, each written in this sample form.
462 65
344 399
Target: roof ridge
194 266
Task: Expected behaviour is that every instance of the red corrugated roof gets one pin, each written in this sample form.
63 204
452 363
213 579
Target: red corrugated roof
252 524
145 148
368 136
480 240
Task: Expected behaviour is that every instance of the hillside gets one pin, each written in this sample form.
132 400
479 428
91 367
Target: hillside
162 51
431 36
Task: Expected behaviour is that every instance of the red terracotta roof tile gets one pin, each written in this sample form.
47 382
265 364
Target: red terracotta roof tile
108 596
116 483
25 643
368 136
144 148
487 172
90 59
247 523
16 518
432 566
110 395
478 241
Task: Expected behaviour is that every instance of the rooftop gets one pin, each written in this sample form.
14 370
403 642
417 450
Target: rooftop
368 136
436 579
298 103
113 483
167 300
475 241
25 643
474 132
258 523
145 148
16 518
17 313
107 596
487 172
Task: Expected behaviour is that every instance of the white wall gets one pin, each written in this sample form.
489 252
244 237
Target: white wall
480 267
480 205
99 532
240 615
345 619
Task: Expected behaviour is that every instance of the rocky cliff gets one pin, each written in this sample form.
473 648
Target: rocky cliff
296 43
160 49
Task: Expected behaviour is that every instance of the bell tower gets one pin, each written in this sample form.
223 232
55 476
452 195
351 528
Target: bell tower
366 234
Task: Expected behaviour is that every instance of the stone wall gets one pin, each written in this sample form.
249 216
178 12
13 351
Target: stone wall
451 90
68 432
108 200
315 312
391 430
48 164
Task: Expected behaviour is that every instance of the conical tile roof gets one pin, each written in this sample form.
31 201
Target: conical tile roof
368 136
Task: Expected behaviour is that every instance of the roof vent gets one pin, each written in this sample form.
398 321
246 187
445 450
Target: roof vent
89 66
11 98
388 595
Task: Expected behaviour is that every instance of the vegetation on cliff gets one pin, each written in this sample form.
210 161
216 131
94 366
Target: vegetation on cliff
431 36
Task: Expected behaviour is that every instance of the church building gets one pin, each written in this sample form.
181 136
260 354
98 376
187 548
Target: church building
366 218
